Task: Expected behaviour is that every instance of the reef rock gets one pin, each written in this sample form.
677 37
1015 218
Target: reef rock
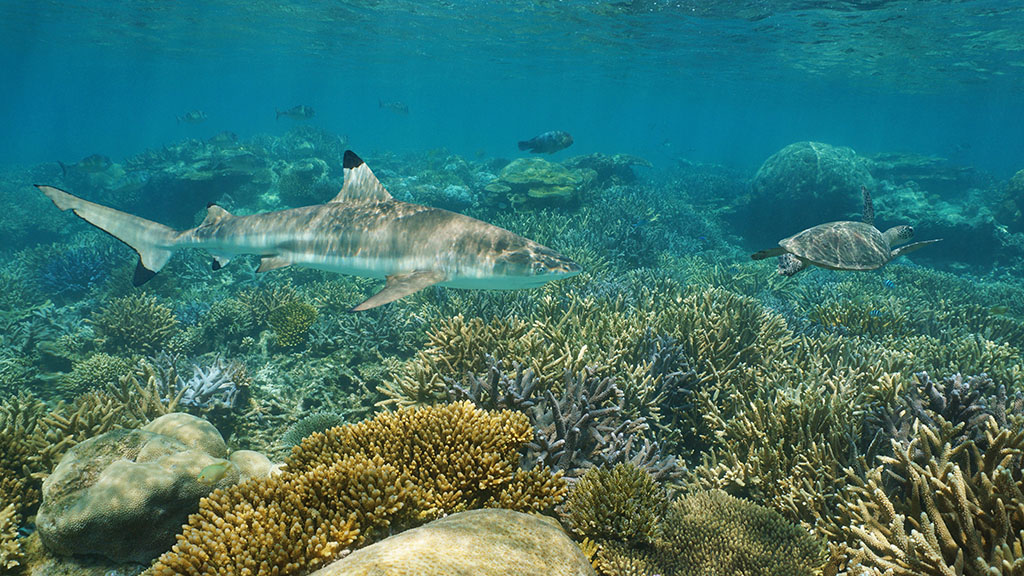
537 181
800 186
1011 208
489 542
126 493
610 169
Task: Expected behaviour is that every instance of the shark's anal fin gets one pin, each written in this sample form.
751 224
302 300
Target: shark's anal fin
360 183
401 285
268 263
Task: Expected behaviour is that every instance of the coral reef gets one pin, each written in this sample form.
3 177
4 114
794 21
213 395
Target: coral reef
621 503
712 533
291 322
936 509
538 182
134 324
10 550
352 484
94 373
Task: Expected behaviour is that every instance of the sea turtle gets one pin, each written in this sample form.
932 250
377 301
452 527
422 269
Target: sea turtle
842 245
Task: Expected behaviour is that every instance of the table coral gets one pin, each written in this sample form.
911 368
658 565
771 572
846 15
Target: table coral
353 484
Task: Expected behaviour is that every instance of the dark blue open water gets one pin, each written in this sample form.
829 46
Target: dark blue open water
728 82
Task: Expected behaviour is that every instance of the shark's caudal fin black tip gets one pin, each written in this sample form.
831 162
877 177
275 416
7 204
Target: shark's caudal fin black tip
142 275
351 160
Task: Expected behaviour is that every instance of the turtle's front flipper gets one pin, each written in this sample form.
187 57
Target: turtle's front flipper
777 251
911 247
789 265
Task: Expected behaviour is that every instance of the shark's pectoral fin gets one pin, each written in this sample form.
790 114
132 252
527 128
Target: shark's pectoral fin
400 286
268 263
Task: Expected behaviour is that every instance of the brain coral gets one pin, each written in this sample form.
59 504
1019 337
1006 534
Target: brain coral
124 494
352 484
478 542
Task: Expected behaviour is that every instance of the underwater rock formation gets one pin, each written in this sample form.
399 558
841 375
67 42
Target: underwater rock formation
126 493
803 185
538 182
1010 212
478 542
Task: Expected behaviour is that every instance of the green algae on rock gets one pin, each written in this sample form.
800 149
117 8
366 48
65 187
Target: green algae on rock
490 542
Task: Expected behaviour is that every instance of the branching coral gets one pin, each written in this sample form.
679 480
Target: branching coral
291 323
348 485
936 509
10 549
134 324
94 373
622 503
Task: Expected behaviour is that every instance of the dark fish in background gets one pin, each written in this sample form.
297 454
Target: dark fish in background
93 164
300 112
547 143
394 106
192 117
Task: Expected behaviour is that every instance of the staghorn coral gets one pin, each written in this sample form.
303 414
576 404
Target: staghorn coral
10 548
134 325
291 322
937 509
621 503
353 484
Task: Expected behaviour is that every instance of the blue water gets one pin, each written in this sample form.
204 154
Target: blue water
726 82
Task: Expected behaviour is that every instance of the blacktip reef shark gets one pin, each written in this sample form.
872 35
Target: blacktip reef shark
363 231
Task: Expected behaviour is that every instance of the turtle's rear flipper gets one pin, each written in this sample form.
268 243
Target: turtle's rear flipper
777 251
911 247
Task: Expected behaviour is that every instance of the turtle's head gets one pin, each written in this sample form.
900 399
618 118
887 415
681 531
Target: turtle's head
898 235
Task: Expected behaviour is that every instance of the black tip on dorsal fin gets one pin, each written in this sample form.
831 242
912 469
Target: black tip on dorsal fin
209 204
351 160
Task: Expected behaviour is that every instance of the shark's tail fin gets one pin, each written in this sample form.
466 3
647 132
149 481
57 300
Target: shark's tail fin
154 242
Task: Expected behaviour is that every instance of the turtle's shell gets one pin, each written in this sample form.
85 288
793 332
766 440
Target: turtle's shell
840 246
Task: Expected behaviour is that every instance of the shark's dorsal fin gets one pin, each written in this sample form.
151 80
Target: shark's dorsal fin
268 263
401 285
214 215
360 183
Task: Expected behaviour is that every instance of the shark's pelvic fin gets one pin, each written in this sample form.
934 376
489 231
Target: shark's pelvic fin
401 285
268 263
214 215
360 183
153 242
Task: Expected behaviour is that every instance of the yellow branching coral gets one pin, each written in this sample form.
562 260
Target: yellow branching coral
10 550
621 503
291 322
351 484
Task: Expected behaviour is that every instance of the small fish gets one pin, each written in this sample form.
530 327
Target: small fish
394 106
213 473
999 310
889 283
875 313
192 117
300 112
93 164
547 143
